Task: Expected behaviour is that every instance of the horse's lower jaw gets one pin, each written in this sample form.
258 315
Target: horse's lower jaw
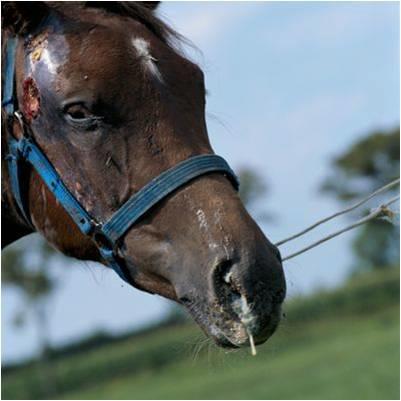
235 340
238 339
224 342
231 333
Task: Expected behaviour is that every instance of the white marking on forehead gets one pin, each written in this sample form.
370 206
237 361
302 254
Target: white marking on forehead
142 49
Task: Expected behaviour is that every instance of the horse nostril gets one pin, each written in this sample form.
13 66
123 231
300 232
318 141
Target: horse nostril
222 274
225 287
184 300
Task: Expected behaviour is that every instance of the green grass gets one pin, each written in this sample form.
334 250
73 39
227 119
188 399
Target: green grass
338 345
344 358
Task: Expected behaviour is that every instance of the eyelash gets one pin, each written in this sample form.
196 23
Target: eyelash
86 123
79 119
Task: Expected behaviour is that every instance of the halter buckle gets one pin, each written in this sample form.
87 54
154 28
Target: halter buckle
101 240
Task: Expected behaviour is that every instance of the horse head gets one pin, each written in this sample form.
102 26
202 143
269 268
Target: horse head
112 104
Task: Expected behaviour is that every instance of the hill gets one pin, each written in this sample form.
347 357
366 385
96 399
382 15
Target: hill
333 345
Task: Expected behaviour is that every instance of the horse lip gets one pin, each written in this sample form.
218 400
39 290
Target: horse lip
210 329
224 340
220 338
234 336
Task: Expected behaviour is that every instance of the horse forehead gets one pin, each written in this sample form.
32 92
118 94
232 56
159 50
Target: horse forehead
63 56
95 57
107 50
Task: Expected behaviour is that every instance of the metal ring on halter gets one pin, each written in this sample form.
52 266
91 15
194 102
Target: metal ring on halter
99 237
20 118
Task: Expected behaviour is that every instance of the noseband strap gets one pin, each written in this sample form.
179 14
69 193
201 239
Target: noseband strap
106 234
162 186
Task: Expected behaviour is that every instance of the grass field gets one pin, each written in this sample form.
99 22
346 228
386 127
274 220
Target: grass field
343 344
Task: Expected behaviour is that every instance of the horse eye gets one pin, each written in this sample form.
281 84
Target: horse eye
78 112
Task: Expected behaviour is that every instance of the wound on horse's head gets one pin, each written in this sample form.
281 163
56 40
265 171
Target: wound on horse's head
31 99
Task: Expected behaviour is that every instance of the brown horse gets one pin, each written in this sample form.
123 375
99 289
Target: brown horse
112 104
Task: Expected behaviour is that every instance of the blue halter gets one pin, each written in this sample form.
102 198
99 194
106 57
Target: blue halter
107 234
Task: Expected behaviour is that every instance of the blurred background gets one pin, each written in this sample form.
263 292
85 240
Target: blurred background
303 101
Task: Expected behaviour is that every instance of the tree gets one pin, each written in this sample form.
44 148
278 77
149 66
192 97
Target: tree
26 268
369 164
252 190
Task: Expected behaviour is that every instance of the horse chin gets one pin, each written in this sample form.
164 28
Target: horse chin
234 339
237 336
229 332
230 338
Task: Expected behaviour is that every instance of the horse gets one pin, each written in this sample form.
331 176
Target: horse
103 118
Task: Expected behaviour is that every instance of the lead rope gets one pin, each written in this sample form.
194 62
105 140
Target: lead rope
378 212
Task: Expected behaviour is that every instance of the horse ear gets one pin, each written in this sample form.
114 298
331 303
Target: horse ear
21 17
151 5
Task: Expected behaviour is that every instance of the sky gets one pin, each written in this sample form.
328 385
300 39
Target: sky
291 85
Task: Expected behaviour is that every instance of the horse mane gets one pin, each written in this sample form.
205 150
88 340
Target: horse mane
140 12
14 19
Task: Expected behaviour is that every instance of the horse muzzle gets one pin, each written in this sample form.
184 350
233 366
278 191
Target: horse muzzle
243 298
